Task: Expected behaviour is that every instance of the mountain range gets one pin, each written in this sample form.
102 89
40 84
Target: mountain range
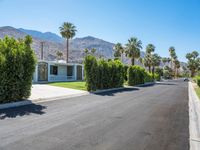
54 43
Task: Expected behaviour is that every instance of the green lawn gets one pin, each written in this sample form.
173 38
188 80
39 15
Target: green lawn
198 91
73 85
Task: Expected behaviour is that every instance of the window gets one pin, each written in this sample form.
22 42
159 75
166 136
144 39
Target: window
53 70
69 70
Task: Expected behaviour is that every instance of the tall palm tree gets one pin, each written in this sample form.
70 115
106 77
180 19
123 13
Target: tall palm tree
177 66
156 59
133 48
148 57
119 51
68 31
164 60
171 53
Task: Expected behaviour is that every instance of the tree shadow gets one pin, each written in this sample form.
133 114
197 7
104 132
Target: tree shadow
22 111
112 93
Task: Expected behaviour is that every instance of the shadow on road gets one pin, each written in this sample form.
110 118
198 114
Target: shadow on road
22 111
112 93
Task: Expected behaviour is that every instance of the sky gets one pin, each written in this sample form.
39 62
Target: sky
163 23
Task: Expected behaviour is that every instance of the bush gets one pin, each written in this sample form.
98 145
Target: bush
148 77
91 70
136 75
17 65
125 72
198 81
157 76
103 74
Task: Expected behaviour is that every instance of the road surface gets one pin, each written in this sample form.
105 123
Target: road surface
141 118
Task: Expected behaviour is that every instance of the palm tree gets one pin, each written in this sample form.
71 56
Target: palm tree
59 54
164 60
68 31
148 57
156 59
133 48
177 66
119 51
171 53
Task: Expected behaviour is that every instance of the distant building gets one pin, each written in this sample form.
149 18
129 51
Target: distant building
56 71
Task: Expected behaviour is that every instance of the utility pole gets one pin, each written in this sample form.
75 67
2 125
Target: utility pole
42 50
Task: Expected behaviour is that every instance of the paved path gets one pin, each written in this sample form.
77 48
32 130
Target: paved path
143 118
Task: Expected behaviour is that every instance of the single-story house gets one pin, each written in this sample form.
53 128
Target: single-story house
55 71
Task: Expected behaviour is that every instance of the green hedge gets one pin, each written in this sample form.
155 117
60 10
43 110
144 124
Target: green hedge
148 77
197 80
136 75
157 76
103 74
17 65
90 68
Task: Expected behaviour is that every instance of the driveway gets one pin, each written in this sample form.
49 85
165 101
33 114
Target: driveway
44 91
142 118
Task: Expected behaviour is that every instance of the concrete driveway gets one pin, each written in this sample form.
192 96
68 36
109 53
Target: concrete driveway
44 92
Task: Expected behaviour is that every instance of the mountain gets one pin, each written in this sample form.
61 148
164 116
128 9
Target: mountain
54 43
48 36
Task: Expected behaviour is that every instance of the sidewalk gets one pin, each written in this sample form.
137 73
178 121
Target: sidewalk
194 118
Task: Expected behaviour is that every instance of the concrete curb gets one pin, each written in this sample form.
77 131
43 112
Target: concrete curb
15 104
194 118
35 101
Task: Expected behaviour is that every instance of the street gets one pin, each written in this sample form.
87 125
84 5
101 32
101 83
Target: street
140 118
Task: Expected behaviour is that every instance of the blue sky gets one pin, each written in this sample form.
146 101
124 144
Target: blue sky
163 23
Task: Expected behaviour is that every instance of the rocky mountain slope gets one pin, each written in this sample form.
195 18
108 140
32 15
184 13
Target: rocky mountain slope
54 43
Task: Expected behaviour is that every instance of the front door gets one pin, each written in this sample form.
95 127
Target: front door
42 71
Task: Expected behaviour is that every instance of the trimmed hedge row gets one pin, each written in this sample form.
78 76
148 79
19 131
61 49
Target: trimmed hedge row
138 75
102 74
17 65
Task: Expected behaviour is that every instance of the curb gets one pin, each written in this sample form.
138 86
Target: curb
41 100
194 118
15 104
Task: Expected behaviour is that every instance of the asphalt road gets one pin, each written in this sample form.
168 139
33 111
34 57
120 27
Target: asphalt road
141 118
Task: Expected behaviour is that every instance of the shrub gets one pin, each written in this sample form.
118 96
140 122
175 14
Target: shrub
157 76
17 65
148 77
125 72
103 74
91 70
198 81
136 75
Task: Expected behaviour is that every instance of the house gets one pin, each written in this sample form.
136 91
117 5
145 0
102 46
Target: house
55 71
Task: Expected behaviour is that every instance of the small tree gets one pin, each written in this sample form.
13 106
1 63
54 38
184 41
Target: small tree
59 54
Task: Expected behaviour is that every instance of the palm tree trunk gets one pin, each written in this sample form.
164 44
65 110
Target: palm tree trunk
67 52
149 69
153 68
133 61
